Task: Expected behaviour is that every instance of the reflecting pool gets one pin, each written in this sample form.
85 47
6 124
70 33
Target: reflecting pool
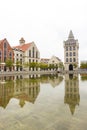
43 102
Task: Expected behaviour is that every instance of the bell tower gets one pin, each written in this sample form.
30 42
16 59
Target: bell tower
71 47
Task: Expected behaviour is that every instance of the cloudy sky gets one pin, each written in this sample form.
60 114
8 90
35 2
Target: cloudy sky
46 22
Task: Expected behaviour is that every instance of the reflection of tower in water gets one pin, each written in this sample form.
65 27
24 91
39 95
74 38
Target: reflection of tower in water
72 97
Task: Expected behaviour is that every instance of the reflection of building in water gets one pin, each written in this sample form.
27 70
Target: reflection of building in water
26 90
6 93
54 80
72 97
22 89
83 77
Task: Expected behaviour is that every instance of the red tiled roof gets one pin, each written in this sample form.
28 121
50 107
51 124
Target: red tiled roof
23 47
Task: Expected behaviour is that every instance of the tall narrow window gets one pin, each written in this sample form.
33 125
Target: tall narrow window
70 48
29 53
66 59
10 55
33 52
70 53
74 54
66 48
67 54
74 60
73 47
70 59
5 45
0 55
36 54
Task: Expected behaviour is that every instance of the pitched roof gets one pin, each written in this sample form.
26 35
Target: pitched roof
23 47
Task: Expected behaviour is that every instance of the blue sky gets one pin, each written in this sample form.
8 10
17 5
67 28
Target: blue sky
46 22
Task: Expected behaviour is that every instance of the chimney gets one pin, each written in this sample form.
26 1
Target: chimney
22 41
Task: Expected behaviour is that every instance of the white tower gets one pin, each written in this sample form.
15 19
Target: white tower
71 47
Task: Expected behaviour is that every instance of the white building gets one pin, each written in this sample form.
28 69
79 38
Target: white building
56 62
71 47
26 52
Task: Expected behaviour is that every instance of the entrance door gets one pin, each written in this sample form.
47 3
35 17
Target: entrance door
70 67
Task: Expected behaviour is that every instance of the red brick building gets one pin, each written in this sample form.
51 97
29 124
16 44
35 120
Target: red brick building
6 53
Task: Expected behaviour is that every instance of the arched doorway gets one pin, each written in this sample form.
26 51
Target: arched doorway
70 67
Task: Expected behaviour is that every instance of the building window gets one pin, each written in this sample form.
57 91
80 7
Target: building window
5 45
66 48
70 48
4 59
33 52
0 58
66 54
0 52
10 55
5 53
74 60
36 54
16 54
70 53
20 61
74 54
0 55
20 55
66 59
29 53
74 48
70 59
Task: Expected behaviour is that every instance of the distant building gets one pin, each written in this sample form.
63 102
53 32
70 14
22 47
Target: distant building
26 52
71 47
44 60
54 60
6 53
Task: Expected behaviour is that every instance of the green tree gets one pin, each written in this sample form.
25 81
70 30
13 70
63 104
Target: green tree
83 65
9 63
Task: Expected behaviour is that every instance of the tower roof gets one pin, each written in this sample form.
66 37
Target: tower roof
71 36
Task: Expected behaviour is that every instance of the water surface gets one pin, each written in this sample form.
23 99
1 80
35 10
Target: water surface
47 102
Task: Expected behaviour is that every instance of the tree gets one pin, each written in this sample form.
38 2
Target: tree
60 65
18 65
9 63
83 65
75 65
